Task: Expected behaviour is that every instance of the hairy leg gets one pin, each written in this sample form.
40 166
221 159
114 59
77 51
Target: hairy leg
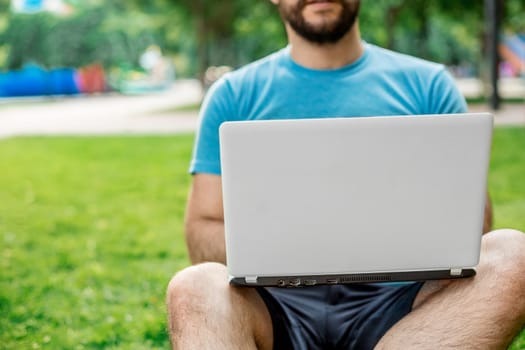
484 312
205 312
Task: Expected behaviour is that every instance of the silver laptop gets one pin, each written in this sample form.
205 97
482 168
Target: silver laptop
344 200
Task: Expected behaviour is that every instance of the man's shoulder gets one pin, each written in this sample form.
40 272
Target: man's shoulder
389 59
257 68
421 80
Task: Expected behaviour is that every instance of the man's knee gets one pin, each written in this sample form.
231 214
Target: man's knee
202 293
193 283
505 256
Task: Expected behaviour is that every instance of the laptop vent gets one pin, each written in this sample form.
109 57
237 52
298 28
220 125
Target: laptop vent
365 278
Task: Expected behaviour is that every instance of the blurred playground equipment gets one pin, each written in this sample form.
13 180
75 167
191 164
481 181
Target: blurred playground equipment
156 73
32 6
33 80
512 53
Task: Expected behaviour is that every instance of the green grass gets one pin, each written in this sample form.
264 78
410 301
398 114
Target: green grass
506 177
91 232
485 100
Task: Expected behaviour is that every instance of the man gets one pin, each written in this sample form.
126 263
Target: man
328 71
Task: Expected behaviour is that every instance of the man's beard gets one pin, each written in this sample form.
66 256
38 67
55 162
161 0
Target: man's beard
326 33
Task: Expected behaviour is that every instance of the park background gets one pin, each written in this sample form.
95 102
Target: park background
91 226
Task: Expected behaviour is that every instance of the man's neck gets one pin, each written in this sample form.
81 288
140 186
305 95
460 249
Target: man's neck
326 56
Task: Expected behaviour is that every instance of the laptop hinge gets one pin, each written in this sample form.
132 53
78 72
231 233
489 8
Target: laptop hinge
251 279
455 272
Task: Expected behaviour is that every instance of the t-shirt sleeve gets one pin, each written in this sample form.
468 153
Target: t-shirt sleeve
444 96
217 107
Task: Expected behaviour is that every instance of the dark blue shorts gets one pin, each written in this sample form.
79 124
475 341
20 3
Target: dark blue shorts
351 316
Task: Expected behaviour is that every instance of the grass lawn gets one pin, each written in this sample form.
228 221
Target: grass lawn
91 231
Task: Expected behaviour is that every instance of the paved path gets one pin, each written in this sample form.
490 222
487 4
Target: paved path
102 114
144 114
509 113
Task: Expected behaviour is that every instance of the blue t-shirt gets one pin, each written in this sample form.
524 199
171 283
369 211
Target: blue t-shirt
380 82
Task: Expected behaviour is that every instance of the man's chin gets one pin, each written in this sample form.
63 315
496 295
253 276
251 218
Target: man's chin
321 27
317 19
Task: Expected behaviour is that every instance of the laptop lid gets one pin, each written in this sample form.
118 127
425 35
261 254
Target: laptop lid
370 197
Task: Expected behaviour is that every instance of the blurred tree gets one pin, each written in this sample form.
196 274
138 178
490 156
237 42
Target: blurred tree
232 32
447 31
201 33
258 31
514 15
4 50
114 34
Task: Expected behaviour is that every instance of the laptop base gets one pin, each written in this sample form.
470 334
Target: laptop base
313 280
